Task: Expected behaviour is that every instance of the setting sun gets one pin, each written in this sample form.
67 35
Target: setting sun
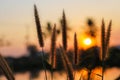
87 41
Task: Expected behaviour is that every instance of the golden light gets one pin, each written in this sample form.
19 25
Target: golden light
87 41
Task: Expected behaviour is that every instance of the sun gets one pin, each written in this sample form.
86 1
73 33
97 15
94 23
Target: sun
87 41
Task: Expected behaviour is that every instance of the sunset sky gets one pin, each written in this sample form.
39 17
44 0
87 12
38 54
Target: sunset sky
16 15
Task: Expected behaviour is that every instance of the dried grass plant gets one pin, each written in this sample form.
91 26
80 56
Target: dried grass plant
64 31
53 50
76 55
67 64
108 34
40 37
38 26
6 69
105 39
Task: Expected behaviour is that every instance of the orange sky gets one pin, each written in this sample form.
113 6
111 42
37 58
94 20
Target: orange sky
15 15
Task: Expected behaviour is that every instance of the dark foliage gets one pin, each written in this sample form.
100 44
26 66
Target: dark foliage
90 58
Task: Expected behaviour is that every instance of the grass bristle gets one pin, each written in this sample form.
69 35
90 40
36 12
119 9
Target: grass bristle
76 56
53 48
64 31
108 37
103 39
6 69
68 65
38 26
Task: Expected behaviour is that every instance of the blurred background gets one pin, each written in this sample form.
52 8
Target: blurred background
18 37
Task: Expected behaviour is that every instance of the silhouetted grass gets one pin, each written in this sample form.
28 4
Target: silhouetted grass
40 37
64 31
67 64
6 69
105 38
76 55
53 50
38 26
108 34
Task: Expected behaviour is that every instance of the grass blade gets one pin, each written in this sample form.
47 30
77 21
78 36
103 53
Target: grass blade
38 26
